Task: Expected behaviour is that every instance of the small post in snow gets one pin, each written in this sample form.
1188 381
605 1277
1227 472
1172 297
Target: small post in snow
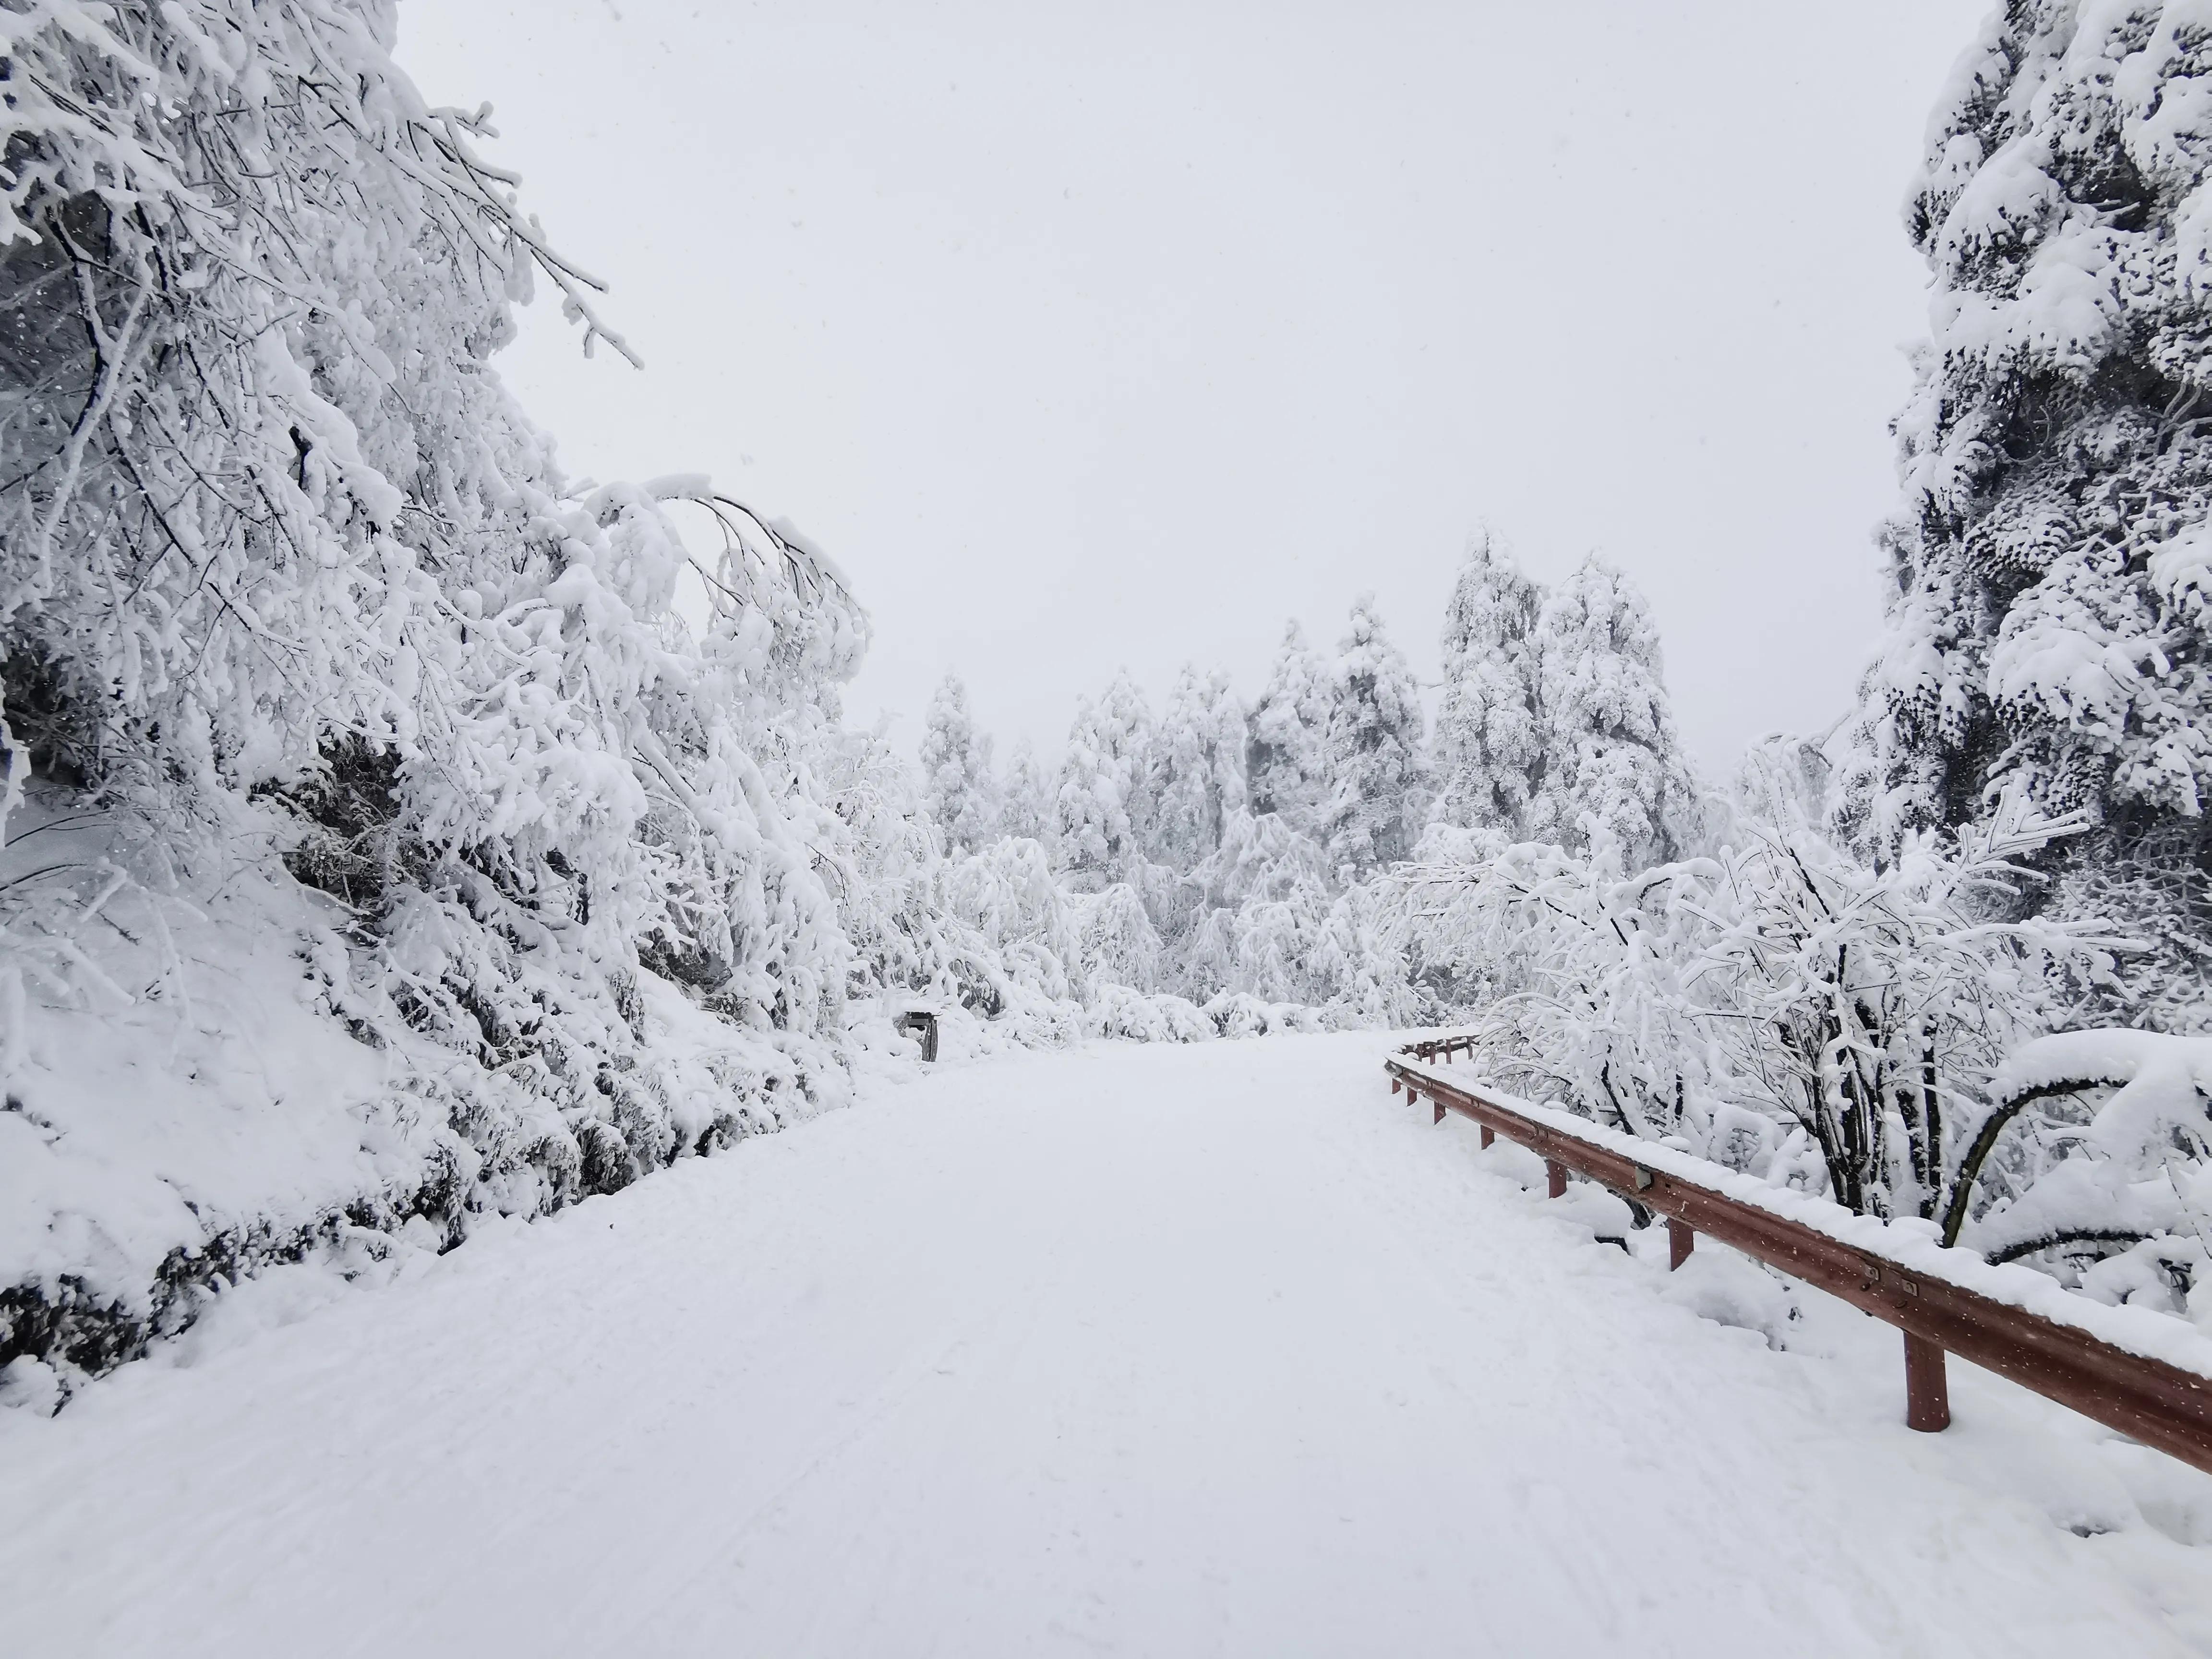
1927 1388
1440 1110
1682 1239
1555 1176
1489 1135
920 1024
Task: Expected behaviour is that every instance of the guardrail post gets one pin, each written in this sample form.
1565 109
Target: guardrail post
1555 1178
1396 1086
1927 1387
1489 1135
1682 1239
1440 1110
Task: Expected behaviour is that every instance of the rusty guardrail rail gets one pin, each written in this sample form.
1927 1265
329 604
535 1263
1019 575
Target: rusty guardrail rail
2149 1401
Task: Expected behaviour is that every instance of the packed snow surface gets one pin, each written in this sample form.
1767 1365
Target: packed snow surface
1154 1350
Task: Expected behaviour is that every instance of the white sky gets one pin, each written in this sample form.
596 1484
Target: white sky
1115 335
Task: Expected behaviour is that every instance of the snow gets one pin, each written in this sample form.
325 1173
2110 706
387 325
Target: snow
1196 1350
2164 1082
1909 1243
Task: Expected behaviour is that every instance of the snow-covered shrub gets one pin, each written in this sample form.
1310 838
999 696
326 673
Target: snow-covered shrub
1237 1014
1780 1007
1133 1016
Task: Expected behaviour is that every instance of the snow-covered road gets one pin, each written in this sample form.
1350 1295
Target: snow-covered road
1138 1350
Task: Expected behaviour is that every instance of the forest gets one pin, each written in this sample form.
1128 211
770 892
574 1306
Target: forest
398 835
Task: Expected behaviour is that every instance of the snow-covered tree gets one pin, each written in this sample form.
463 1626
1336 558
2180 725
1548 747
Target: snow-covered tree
1360 966
1008 895
1783 1007
1285 760
958 786
1025 796
1489 747
1610 747
1197 769
1118 943
285 573
1105 804
1279 941
2053 553
1373 749
1259 857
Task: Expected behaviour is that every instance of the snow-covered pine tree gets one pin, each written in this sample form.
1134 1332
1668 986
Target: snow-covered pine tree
1284 764
958 786
1025 797
1091 812
1104 804
1490 734
1610 741
1377 771
1126 722
1361 966
2052 556
1197 771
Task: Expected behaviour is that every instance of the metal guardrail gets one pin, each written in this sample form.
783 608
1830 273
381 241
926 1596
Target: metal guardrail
2147 1399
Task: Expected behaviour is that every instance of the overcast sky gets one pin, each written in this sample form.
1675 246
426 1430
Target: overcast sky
1115 335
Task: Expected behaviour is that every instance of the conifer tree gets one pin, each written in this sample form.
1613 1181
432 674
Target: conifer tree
2052 556
1286 768
1490 735
1610 746
1372 749
1025 805
955 768
1198 770
1103 805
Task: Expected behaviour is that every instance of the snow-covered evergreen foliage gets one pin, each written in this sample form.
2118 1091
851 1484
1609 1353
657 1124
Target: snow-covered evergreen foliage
1286 765
1197 771
955 768
1610 756
1117 944
1373 749
2052 553
1105 803
1489 740
1025 797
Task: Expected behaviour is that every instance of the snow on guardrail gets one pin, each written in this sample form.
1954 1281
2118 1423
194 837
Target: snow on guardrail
2146 1373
